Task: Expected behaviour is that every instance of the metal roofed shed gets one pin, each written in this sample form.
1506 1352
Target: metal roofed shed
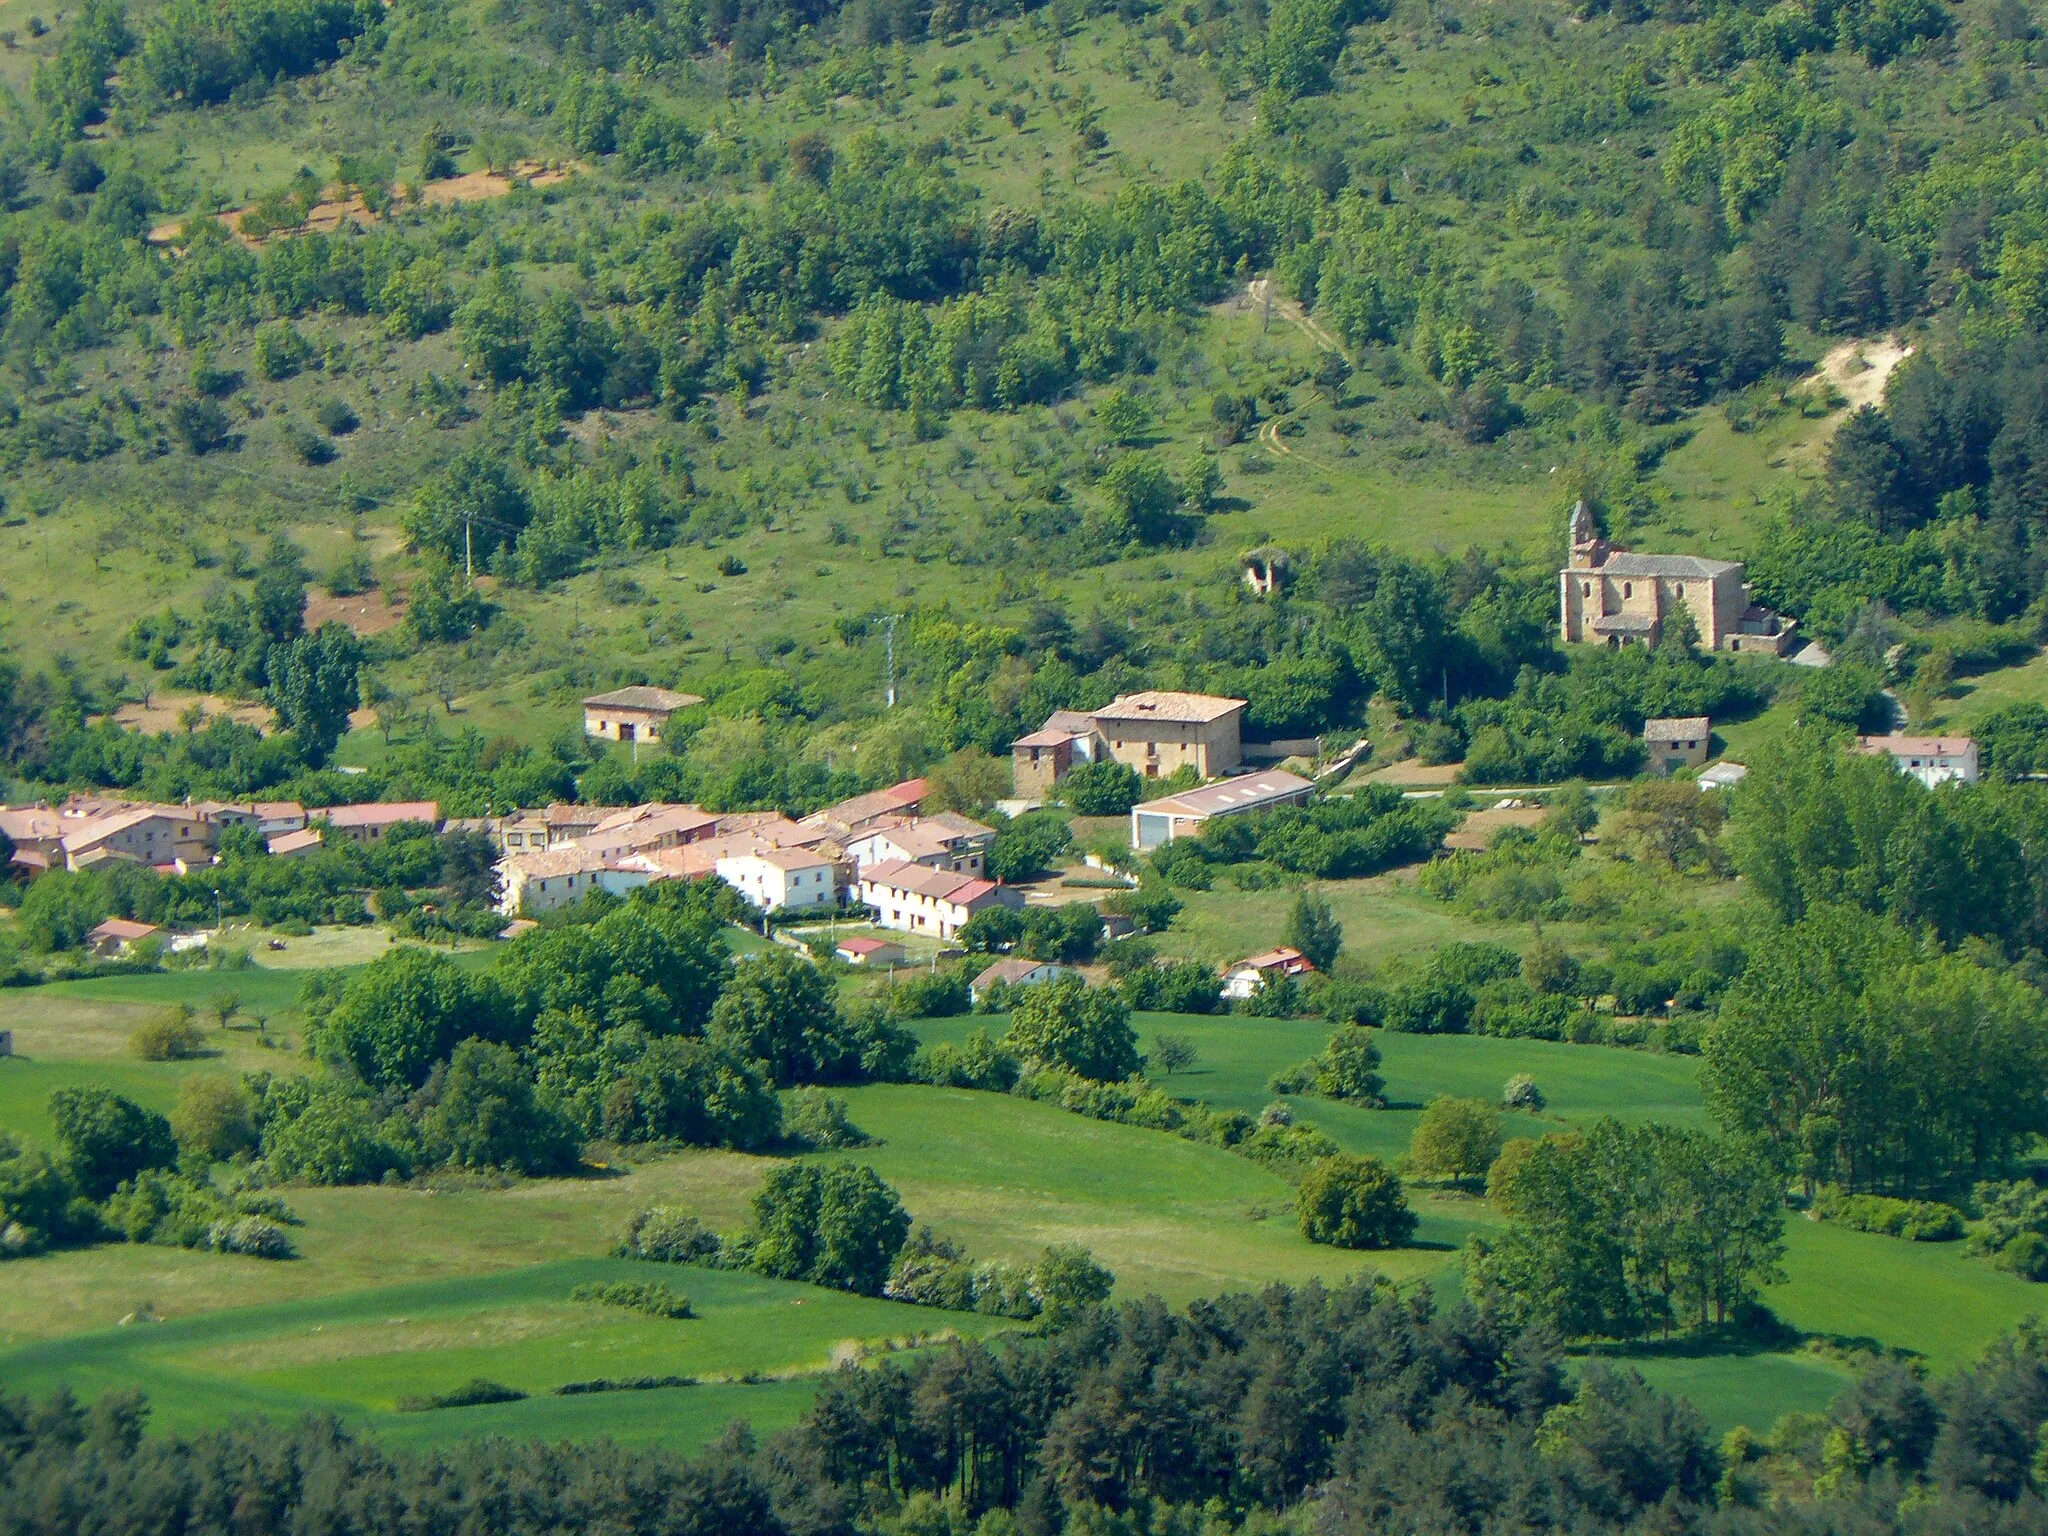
1158 822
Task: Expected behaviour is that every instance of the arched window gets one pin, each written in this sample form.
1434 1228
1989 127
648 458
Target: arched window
1628 589
1681 589
1585 589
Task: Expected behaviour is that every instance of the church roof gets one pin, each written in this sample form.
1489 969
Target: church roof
1694 567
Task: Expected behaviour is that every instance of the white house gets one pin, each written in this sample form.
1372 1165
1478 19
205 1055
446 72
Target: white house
559 877
1017 972
912 898
781 879
957 844
1930 759
1244 978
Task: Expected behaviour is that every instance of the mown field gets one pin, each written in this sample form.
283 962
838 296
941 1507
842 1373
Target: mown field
399 1291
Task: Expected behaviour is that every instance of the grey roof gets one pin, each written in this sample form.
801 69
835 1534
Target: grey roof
1247 793
1679 728
652 700
1697 567
1623 623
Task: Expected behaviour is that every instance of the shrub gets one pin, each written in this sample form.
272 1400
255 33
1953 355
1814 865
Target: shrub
818 1119
1107 788
1354 1202
1186 986
258 1237
105 1139
979 1062
1455 1139
1068 1282
931 994
337 416
213 1117
1521 1092
169 1035
665 1235
470 1395
1917 1221
650 1296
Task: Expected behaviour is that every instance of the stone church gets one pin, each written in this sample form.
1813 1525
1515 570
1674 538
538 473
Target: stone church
1616 597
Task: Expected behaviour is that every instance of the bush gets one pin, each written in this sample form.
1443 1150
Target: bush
1455 1139
1186 986
213 1117
169 1035
1354 1202
979 1062
931 994
1068 1283
1917 1221
1107 788
105 1139
258 1237
337 417
1521 1092
818 1119
470 1395
650 1296
665 1235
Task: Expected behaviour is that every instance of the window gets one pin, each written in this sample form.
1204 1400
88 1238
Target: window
1681 589
1585 589
1628 589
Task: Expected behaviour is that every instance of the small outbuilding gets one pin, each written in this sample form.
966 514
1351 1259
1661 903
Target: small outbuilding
867 951
1676 744
119 936
6 1042
638 713
1158 822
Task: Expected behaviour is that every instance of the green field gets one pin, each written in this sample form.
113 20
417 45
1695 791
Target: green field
358 1353
406 1290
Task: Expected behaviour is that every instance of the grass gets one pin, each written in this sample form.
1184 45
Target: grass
358 1354
1384 918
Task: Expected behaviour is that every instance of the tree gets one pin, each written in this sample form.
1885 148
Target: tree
969 781
1068 1282
1313 929
104 1139
279 596
1348 1069
1081 1029
837 1225
213 1117
313 688
469 868
1672 820
1142 497
405 1011
1027 847
1859 1057
488 1117
1354 1202
1623 1229
1106 788
1125 418
1455 1139
779 1009
1173 1053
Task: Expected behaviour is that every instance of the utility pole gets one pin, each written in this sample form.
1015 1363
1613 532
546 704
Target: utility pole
468 558
892 660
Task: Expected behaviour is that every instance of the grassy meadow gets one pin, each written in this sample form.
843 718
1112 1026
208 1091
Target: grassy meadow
404 1290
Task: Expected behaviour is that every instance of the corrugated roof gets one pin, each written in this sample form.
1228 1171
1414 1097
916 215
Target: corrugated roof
1247 793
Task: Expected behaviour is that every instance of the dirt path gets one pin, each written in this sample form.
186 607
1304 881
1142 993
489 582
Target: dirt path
1858 371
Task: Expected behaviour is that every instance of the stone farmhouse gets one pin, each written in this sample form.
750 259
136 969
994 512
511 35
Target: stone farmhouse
1157 733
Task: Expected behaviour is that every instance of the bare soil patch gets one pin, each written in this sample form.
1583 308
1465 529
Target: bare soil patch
162 711
367 613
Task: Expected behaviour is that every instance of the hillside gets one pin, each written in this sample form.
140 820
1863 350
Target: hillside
784 323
